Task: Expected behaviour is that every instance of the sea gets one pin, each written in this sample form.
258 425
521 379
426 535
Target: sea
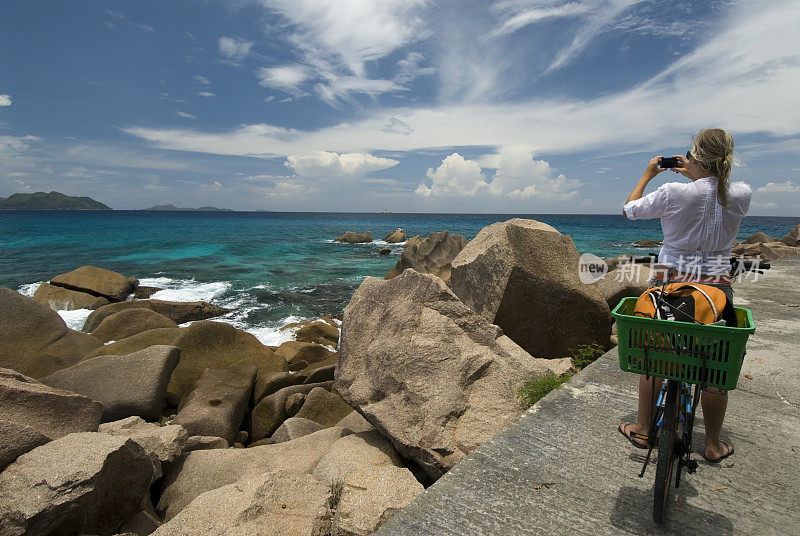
270 268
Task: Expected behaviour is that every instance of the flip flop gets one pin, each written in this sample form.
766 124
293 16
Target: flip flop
624 426
717 460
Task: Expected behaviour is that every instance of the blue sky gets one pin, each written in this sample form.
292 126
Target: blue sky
512 106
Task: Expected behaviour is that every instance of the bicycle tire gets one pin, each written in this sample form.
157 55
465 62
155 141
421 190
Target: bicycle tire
667 437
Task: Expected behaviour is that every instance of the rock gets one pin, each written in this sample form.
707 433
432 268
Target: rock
162 444
295 427
758 238
322 371
93 482
624 258
522 275
396 236
355 423
62 299
203 345
143 293
372 495
293 403
267 384
51 412
792 238
126 385
129 322
647 243
204 470
318 332
97 281
324 407
353 452
414 240
297 352
433 255
218 402
205 443
16 439
283 503
351 237
628 280
178 312
384 251
270 412
427 371
35 339
768 252
144 522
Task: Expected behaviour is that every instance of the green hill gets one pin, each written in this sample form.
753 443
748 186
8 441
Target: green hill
51 201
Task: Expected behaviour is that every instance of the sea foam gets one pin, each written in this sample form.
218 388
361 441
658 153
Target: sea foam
75 319
185 290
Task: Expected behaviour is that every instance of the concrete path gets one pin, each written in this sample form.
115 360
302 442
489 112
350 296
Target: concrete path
562 467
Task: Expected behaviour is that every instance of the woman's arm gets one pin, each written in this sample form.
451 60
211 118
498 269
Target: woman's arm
651 171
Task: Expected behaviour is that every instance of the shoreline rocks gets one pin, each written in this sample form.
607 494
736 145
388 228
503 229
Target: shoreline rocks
522 275
432 255
427 371
352 237
97 282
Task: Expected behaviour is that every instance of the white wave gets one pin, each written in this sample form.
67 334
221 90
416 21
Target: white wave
273 335
185 290
29 289
75 319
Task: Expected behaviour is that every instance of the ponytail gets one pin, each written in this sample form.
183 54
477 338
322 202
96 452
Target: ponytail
713 148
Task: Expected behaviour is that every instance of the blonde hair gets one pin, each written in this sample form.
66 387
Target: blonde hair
713 148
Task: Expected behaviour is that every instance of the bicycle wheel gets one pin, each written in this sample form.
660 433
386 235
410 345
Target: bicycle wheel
667 436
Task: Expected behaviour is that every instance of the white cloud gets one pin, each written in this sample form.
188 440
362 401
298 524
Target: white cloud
234 48
743 79
518 176
186 115
119 16
342 87
5 100
455 176
15 145
398 126
286 78
200 79
328 164
350 32
779 187
518 15
207 94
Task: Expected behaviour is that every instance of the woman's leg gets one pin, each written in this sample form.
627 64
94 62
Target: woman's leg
714 406
647 393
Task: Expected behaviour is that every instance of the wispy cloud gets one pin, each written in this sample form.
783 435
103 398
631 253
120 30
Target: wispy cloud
742 78
328 164
121 17
234 48
207 94
200 79
336 39
186 115
779 187
5 100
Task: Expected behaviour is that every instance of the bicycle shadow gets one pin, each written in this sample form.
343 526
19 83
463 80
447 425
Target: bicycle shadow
632 513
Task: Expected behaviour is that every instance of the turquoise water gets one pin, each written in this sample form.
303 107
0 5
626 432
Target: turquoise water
271 266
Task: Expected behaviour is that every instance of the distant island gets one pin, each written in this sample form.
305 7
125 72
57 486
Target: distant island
201 209
50 201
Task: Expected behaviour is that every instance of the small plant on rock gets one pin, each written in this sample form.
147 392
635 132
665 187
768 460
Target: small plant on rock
534 389
585 354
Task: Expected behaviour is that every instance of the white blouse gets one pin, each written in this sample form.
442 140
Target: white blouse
698 231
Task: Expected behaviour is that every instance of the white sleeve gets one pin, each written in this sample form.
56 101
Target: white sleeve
653 205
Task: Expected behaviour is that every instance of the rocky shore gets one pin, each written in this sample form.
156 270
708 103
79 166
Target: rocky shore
156 419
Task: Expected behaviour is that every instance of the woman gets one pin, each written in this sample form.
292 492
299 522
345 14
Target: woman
700 221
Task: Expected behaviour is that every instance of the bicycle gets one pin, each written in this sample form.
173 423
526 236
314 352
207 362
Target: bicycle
690 357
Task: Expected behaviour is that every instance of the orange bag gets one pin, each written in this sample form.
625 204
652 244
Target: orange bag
686 302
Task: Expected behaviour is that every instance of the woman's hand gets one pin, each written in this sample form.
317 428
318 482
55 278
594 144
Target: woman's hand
683 167
653 168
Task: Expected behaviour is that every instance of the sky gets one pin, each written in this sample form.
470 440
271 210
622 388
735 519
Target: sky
511 106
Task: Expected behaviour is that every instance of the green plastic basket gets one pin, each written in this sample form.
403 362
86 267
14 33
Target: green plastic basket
693 353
